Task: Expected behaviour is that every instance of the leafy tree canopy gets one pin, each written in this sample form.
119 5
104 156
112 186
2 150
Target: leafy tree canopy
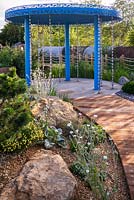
11 34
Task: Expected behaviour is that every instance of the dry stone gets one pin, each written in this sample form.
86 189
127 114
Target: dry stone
123 80
59 111
44 177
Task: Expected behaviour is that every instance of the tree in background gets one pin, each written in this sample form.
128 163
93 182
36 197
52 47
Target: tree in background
11 34
124 28
131 38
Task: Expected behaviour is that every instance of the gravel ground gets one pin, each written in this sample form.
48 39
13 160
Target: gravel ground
124 95
11 165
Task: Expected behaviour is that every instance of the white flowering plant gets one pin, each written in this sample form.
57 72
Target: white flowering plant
83 141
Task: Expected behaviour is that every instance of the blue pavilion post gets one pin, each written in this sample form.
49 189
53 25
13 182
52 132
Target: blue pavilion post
67 52
97 58
28 50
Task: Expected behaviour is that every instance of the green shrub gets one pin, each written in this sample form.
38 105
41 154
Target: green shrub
22 138
17 127
6 58
128 87
11 85
13 57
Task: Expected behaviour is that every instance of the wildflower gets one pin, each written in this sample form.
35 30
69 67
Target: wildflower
77 131
88 143
80 114
108 193
69 124
87 171
95 116
88 125
74 135
71 132
81 137
104 157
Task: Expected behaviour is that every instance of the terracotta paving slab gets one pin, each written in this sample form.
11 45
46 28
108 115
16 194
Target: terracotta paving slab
116 116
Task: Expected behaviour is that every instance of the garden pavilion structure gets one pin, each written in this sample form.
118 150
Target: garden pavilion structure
63 14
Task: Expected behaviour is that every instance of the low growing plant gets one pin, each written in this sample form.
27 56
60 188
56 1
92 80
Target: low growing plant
128 87
83 141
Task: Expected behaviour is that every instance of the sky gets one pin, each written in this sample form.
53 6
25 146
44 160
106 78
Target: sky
4 5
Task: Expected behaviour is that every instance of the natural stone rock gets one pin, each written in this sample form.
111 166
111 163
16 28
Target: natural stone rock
59 111
123 80
44 177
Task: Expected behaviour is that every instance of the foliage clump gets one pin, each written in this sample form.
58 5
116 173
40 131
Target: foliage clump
11 85
17 126
128 87
84 142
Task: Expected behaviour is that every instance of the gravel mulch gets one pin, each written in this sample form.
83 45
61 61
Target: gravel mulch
11 165
124 95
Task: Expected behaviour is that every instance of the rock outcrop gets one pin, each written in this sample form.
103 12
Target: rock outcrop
123 80
44 177
58 111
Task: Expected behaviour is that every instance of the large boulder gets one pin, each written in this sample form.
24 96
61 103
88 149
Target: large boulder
123 80
44 177
58 111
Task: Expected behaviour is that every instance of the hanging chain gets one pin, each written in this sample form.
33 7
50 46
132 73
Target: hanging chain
30 49
99 53
50 44
77 59
112 31
38 48
101 57
59 57
43 49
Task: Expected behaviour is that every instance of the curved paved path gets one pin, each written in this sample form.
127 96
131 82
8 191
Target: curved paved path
116 116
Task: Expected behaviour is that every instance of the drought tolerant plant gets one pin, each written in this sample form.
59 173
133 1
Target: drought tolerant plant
84 141
43 85
52 135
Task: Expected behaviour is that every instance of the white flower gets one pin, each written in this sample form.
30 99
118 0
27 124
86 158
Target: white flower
88 143
74 135
69 124
80 114
108 193
87 171
95 116
71 132
88 125
77 131
81 137
104 157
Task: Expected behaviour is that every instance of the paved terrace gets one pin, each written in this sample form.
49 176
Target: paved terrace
115 115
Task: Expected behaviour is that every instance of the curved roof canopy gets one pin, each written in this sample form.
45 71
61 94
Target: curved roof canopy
61 13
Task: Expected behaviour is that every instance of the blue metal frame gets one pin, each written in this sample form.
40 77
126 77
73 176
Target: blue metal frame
65 14
67 52
28 50
61 13
97 53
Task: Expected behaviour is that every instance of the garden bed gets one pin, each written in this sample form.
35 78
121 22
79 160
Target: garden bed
11 165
